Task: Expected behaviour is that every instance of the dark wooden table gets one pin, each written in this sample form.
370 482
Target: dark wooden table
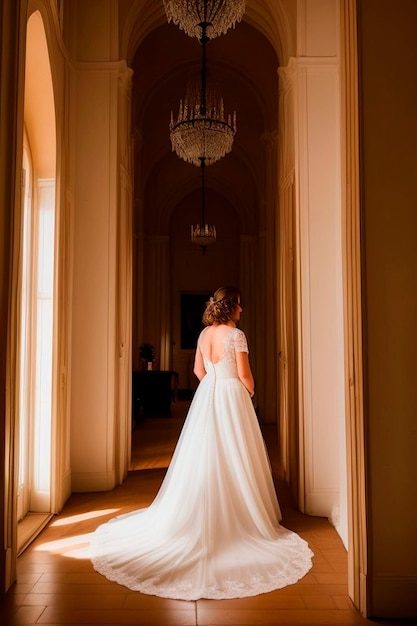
152 392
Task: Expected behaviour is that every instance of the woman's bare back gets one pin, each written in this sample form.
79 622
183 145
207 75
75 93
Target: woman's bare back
212 342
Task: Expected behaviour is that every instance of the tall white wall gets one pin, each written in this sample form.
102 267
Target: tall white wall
318 185
95 179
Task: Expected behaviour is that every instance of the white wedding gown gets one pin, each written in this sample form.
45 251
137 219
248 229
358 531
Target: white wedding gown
213 529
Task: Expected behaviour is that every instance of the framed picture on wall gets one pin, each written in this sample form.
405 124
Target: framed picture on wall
192 309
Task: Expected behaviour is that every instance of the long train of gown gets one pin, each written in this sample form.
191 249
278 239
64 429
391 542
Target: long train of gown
213 529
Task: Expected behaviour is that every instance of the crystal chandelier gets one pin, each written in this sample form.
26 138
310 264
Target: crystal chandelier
203 234
202 133
202 128
218 15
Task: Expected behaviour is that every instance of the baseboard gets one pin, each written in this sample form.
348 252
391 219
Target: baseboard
321 503
29 528
393 597
82 482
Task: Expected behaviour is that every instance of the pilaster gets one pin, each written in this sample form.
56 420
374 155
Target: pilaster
101 292
319 271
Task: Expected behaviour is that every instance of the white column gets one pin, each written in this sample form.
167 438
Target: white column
269 390
286 304
320 276
95 336
123 423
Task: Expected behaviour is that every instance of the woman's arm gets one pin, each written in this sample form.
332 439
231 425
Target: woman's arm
244 371
199 369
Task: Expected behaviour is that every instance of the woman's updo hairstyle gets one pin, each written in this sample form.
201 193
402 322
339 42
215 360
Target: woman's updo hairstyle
220 307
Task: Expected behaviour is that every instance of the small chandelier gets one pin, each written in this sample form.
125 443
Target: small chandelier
203 234
202 128
218 15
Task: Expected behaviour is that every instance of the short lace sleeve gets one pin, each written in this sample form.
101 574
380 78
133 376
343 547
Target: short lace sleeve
241 344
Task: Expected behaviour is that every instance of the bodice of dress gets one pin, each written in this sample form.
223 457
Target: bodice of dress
234 341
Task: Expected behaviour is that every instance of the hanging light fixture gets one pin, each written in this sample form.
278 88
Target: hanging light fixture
202 128
218 15
202 133
203 234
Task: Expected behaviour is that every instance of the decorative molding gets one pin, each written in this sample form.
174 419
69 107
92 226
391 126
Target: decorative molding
45 182
321 502
125 79
100 66
287 181
322 62
51 23
357 524
125 177
287 76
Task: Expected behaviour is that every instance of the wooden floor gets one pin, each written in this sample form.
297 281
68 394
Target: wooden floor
56 583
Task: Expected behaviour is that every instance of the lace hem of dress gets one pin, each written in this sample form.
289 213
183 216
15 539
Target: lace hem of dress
185 590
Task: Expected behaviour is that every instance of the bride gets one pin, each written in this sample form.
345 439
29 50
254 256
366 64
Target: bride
213 529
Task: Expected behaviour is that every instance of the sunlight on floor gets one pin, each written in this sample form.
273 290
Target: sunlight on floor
75 547
74 519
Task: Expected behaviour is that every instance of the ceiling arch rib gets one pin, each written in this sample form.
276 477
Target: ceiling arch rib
143 17
272 18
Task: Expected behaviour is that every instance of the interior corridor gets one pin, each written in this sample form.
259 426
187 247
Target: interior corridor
56 585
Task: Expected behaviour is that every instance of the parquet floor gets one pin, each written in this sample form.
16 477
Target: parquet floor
56 585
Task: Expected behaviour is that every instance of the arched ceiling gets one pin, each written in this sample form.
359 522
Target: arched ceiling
244 62
275 19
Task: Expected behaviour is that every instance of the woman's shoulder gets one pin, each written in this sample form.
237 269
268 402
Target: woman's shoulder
240 341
